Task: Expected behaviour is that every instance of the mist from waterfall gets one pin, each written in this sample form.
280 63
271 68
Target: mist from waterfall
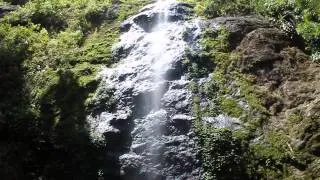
151 96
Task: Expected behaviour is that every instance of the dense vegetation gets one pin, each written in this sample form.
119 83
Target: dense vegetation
50 52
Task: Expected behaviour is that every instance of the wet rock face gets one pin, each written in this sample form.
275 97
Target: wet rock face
151 15
147 128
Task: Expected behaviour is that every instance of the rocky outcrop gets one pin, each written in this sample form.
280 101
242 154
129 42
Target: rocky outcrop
286 82
290 81
238 27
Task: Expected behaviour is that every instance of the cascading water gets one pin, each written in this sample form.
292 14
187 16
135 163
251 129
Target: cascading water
147 130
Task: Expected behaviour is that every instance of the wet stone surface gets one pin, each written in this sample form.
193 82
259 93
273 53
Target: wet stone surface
148 134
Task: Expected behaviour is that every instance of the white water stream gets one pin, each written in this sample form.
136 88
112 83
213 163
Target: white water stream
153 103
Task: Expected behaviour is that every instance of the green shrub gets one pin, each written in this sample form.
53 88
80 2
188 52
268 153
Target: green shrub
305 15
57 15
230 7
15 42
46 13
60 51
97 47
231 107
310 31
222 154
95 13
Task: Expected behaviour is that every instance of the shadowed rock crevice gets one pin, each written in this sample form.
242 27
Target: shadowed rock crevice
5 9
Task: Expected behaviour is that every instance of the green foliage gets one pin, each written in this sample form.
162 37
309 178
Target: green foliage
302 14
222 154
15 46
96 12
216 40
129 7
59 51
15 43
50 53
57 15
230 7
295 118
273 157
250 93
275 146
231 107
311 33
197 65
61 110
215 8
193 87
215 45
97 47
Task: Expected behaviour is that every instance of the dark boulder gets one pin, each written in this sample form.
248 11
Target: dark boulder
270 55
239 27
6 9
19 2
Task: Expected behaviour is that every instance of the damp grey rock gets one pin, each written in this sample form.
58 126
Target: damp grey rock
223 121
181 123
125 26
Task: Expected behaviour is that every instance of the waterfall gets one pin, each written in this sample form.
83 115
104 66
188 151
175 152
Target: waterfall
148 132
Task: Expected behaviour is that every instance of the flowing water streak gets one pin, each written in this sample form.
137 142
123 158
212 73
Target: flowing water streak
149 90
158 46
164 47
